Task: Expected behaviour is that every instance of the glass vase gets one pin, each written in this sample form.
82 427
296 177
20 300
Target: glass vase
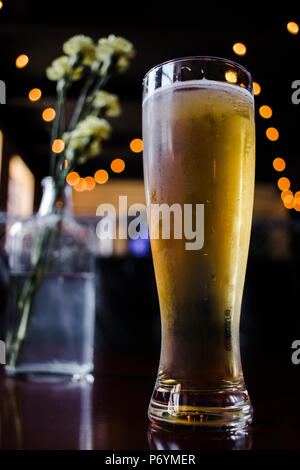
51 301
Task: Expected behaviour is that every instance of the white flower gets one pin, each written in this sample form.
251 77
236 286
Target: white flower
61 68
83 44
108 102
118 47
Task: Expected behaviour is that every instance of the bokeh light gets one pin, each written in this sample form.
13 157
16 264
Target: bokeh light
1 5
297 195
21 61
34 94
101 176
286 193
265 111
272 134
48 114
239 48
284 183
256 88
72 178
90 183
292 27
289 202
81 185
136 145
279 164
58 146
231 76
296 204
117 165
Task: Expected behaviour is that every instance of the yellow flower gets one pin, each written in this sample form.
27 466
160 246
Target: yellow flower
92 150
83 44
109 102
117 46
92 125
61 68
86 138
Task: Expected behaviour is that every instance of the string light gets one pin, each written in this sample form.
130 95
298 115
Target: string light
279 164
90 183
292 27
101 176
34 94
58 146
297 204
272 134
72 178
239 48
231 76
288 202
117 165
265 111
256 88
48 114
136 145
284 183
21 61
289 199
80 186
1 5
285 193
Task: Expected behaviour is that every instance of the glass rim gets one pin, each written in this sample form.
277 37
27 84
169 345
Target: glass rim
200 57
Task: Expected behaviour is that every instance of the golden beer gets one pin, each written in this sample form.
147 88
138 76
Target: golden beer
199 148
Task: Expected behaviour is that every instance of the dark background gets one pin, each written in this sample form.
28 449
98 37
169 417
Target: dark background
159 32
128 315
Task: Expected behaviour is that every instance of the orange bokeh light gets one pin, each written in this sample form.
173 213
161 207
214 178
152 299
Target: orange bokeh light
21 61
279 164
265 111
292 27
297 204
285 193
239 48
34 94
256 88
284 183
48 114
289 202
117 165
272 134
73 178
80 186
58 146
136 145
90 183
231 76
101 176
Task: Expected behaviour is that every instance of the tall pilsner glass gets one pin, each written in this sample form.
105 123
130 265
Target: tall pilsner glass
199 148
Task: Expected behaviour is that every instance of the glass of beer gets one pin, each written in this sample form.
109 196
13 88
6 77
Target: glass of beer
199 163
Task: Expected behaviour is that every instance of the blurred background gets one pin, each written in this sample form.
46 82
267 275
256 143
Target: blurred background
31 36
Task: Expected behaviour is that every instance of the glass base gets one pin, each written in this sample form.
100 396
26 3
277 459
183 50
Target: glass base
227 409
50 371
